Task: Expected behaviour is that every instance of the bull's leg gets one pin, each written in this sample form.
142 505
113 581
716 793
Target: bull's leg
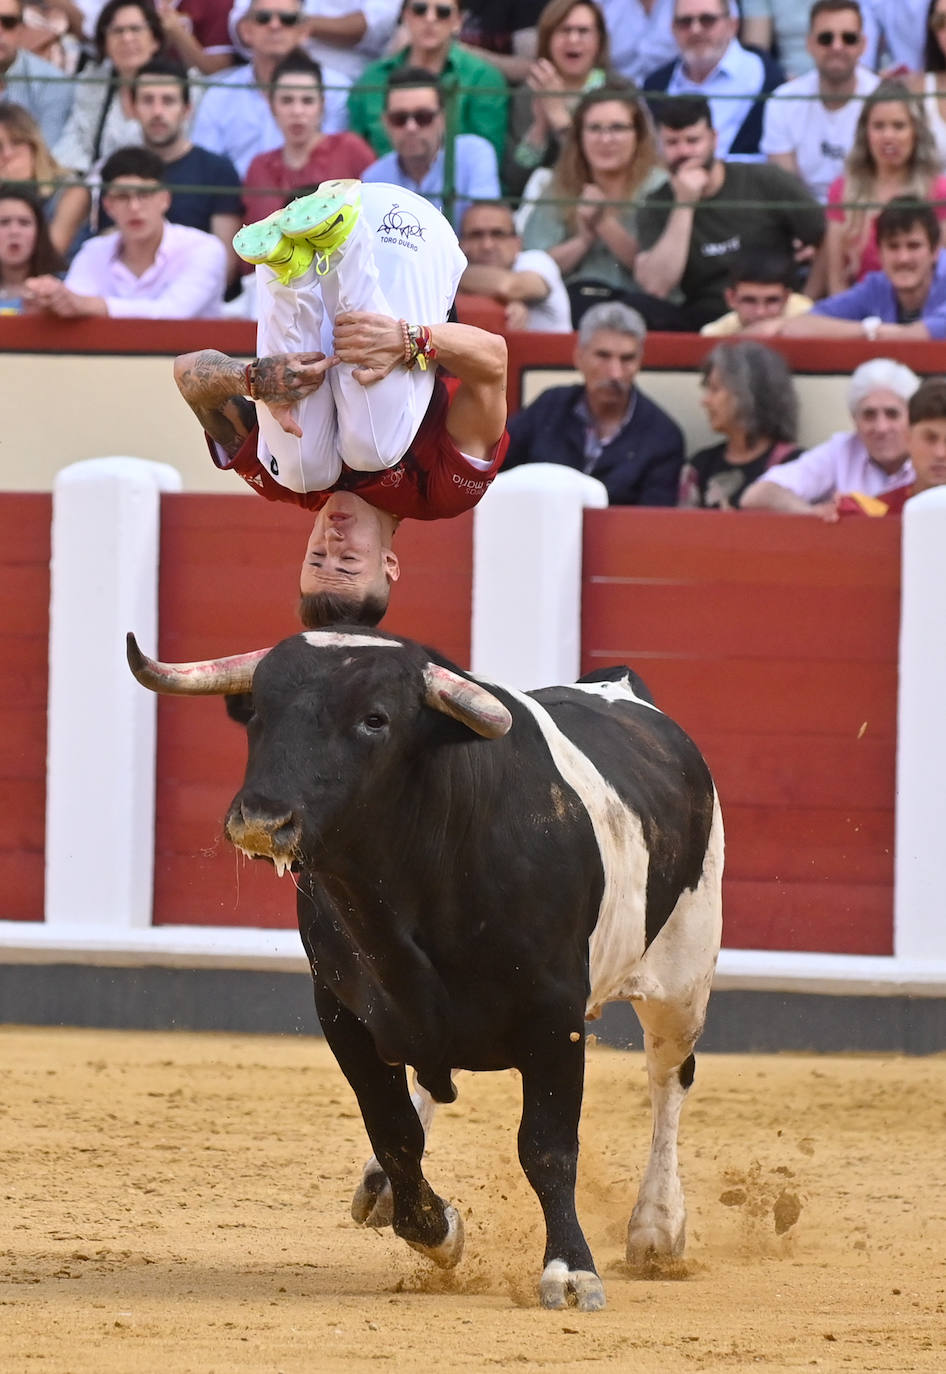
552 1083
373 1203
420 1217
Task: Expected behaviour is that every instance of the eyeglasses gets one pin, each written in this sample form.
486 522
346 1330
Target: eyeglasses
421 10
608 130
288 19
697 21
488 234
124 195
398 119
576 30
848 37
10 21
124 30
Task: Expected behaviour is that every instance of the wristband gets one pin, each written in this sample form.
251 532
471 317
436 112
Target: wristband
250 369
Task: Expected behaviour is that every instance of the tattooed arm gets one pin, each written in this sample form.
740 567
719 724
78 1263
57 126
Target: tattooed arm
218 392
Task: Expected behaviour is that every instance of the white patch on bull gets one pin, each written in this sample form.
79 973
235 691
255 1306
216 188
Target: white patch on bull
332 639
616 691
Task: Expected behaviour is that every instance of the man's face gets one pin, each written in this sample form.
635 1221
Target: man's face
609 363
489 238
881 421
909 260
836 44
696 143
161 111
756 300
17 233
347 552
137 206
297 106
703 30
11 31
414 121
431 23
927 447
273 29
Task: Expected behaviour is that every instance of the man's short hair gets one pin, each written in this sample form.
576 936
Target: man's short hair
487 205
762 265
833 7
297 63
414 78
681 111
928 402
133 162
903 213
611 315
167 67
318 609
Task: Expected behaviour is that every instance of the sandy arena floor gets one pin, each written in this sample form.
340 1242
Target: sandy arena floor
180 1203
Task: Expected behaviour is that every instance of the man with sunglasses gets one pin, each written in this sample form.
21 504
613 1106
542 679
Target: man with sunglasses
234 117
525 282
29 80
416 123
809 123
715 65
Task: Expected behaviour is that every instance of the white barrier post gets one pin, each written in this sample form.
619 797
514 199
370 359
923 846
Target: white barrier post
100 764
919 900
527 574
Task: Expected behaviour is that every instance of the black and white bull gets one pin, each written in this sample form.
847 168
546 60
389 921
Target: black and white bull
481 869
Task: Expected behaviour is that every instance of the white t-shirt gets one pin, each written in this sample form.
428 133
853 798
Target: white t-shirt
554 314
820 138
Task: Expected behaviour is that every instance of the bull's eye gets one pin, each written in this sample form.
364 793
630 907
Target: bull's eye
374 721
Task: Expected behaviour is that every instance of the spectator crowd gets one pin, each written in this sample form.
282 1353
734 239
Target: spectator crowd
611 166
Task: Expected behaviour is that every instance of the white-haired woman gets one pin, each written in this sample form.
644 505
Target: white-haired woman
749 397
871 459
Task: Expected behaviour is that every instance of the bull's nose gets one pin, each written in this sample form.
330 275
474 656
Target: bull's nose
262 826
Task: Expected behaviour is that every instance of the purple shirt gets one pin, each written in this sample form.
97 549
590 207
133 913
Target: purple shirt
874 295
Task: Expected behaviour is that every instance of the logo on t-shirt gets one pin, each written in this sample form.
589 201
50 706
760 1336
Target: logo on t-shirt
718 250
401 227
834 151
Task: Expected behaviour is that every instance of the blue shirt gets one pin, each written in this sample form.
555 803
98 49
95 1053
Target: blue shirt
874 295
475 174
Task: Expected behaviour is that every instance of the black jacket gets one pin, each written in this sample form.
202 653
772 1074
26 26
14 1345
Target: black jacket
640 466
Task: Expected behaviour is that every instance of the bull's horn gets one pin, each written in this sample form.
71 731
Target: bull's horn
215 677
466 701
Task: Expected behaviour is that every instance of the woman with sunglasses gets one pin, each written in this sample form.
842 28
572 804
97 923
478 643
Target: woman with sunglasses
25 248
476 92
24 157
586 218
128 33
931 82
893 155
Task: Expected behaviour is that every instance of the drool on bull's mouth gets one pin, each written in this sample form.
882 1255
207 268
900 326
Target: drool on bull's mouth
282 863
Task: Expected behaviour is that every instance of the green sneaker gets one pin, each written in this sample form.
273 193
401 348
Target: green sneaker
265 242
323 219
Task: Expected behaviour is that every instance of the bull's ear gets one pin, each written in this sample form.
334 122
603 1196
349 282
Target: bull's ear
466 701
240 707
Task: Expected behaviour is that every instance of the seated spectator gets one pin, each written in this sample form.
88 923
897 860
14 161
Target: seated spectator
29 80
128 34
25 246
503 32
604 426
926 445
197 31
203 184
416 123
906 299
482 97
930 82
893 155
809 123
147 269
528 284
307 155
779 26
693 228
760 288
587 217
234 117
25 157
749 397
873 459
713 64
641 36
571 59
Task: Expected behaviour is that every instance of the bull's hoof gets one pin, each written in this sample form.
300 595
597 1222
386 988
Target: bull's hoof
653 1238
560 1286
447 1254
373 1203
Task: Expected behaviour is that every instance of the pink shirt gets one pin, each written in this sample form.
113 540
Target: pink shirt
337 155
185 282
839 465
870 258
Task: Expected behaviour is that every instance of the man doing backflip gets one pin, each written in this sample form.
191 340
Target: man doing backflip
343 411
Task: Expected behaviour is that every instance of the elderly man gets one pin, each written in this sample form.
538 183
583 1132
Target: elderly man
809 122
28 80
715 65
526 283
873 460
605 426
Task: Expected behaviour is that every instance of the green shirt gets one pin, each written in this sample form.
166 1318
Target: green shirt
482 100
